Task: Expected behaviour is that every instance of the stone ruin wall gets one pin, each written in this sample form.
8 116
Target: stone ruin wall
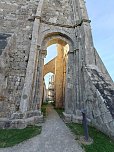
58 12
16 22
97 88
99 100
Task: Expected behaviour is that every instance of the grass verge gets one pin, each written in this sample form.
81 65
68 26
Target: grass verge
102 143
11 137
60 111
43 108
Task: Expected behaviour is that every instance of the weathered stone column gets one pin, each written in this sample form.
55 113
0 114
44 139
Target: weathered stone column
79 61
35 105
40 78
86 35
64 80
24 104
77 57
29 79
76 90
59 76
69 84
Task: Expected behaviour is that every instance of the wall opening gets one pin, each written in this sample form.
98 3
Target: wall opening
51 53
54 71
49 95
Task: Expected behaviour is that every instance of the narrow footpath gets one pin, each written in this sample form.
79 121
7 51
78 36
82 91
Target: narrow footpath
55 137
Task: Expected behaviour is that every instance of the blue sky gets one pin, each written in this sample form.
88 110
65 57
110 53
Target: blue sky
51 53
101 14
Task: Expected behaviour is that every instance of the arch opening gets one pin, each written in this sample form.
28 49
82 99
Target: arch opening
49 92
57 65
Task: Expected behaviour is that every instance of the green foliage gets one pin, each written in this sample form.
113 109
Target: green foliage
43 108
45 104
102 143
60 111
11 137
76 128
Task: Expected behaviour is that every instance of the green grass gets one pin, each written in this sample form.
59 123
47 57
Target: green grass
60 111
43 108
11 137
102 143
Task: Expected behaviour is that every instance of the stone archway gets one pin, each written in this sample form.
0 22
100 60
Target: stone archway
58 65
88 84
33 88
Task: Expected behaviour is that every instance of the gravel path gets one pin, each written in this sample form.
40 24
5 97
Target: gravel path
55 137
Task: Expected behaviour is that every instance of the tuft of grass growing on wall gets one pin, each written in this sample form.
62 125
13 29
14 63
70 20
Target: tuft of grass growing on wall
11 137
102 143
